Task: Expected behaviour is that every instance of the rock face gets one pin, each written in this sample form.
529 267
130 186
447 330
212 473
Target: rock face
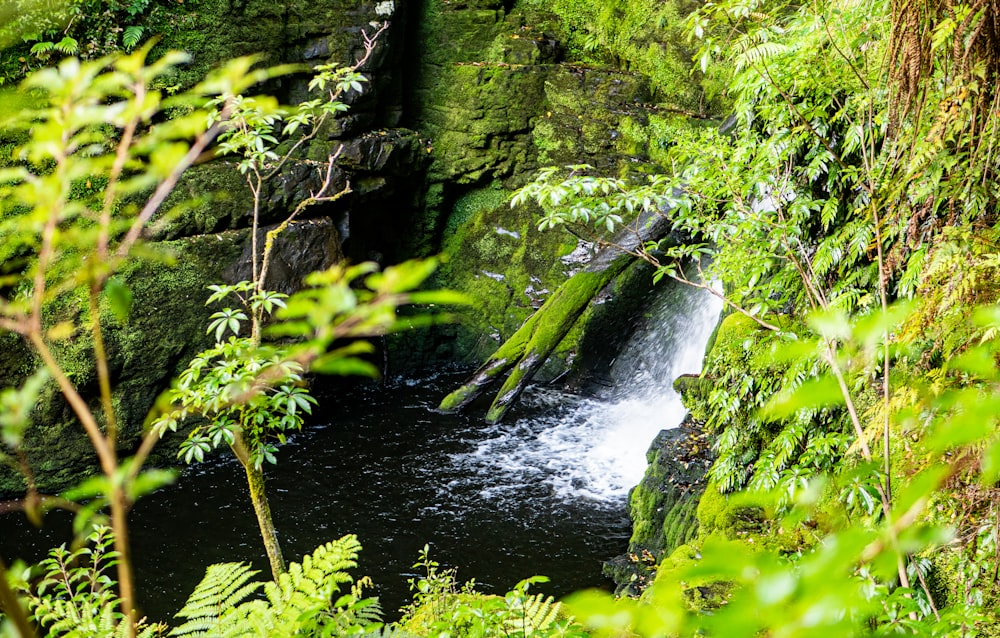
495 96
209 243
466 101
663 506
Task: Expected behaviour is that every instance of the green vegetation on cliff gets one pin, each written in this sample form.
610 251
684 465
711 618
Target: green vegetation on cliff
848 216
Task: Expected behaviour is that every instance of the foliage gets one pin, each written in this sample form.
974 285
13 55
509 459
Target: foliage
74 595
85 184
301 602
441 607
222 385
823 209
250 393
642 36
99 158
241 386
40 33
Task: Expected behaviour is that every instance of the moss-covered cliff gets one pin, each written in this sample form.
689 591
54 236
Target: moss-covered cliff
501 89
488 90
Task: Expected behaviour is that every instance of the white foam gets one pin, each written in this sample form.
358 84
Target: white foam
596 449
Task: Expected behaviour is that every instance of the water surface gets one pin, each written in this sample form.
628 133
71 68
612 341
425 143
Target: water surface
542 493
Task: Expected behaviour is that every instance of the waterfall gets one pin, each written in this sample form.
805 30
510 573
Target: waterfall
595 448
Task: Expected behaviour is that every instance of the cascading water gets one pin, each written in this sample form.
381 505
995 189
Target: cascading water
543 495
595 447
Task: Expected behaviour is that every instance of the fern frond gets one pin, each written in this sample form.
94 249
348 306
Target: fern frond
67 45
318 576
224 586
132 36
40 48
532 614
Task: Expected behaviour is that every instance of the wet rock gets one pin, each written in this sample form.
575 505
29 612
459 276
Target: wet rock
663 507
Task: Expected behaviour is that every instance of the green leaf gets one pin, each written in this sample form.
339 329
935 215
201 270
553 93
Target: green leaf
67 45
833 324
440 297
813 393
16 406
132 36
403 277
150 481
119 297
345 366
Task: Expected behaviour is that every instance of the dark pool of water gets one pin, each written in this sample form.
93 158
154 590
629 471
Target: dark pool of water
379 463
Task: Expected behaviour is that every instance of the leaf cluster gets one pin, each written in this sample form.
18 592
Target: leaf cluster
240 387
74 595
301 603
443 607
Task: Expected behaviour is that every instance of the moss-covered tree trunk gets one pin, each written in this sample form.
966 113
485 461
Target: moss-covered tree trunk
261 507
255 479
525 352
527 349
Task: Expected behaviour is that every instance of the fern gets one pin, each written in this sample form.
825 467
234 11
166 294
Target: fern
67 45
759 53
299 603
42 48
132 36
224 586
530 614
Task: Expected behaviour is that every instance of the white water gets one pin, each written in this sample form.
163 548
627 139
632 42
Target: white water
596 448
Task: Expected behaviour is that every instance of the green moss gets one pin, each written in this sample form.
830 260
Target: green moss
164 330
732 516
502 263
701 594
695 392
210 198
645 36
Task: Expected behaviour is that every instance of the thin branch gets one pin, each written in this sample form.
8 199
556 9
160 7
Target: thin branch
105 453
165 188
314 198
370 42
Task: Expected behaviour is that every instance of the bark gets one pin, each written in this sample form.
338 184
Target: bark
255 480
261 507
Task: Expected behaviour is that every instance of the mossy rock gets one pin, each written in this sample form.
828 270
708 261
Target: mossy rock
644 36
694 390
662 506
503 264
739 515
701 595
214 31
478 119
164 330
209 198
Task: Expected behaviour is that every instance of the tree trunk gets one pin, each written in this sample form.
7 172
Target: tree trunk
258 496
527 350
255 480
